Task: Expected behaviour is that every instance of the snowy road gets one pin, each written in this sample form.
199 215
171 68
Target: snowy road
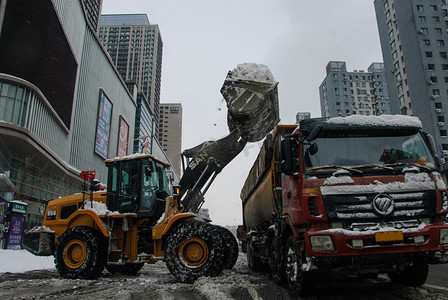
155 282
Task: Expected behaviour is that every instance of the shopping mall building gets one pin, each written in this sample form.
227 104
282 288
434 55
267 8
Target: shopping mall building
63 106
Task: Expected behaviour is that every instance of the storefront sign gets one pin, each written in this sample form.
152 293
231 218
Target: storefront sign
103 126
19 207
123 138
15 233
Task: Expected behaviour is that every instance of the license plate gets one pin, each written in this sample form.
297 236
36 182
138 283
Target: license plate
388 236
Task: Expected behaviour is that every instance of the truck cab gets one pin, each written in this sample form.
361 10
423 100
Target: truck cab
358 194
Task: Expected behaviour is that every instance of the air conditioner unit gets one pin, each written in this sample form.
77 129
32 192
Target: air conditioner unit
434 97
438 110
441 123
429 82
445 152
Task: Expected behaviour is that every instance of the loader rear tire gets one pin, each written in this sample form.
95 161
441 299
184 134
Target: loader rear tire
231 252
193 250
128 269
78 254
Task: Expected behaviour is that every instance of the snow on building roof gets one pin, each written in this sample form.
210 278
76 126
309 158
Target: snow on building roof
382 120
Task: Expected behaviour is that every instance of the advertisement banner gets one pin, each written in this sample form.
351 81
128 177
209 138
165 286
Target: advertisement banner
103 126
15 233
123 138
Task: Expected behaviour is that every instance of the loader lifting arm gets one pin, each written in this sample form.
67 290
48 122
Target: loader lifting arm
251 95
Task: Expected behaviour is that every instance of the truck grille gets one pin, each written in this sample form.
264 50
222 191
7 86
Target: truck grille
359 207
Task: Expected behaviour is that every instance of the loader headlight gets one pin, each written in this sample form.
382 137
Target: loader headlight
443 237
322 243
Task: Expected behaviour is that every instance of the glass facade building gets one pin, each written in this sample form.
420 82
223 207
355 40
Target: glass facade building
54 77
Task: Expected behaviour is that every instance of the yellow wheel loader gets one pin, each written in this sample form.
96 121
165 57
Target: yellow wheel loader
138 220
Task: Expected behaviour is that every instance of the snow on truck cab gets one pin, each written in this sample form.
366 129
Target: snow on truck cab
358 194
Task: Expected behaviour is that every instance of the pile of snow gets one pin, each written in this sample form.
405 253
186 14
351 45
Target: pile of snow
19 261
383 120
252 71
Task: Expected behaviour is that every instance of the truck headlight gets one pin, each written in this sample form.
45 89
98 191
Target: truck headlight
443 238
323 243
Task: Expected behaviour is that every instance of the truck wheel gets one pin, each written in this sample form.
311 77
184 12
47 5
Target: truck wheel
412 275
277 262
231 253
299 280
193 250
254 262
128 269
78 254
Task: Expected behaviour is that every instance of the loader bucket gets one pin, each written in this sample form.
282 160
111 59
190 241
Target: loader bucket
250 92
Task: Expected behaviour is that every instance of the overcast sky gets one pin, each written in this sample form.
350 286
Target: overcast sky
204 39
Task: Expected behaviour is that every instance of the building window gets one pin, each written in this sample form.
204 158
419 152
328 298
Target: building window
438 30
404 111
443 54
438 105
431 67
392 45
433 7
436 92
427 42
422 19
440 43
391 34
419 7
424 30
433 79
442 132
445 67
428 54
401 99
436 19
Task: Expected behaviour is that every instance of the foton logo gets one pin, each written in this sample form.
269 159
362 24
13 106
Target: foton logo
383 205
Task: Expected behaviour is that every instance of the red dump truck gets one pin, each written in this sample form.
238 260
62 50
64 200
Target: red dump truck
358 195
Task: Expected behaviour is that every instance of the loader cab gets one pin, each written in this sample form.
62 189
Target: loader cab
137 184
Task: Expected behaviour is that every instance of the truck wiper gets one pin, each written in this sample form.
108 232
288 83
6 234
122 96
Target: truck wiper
420 167
386 168
351 170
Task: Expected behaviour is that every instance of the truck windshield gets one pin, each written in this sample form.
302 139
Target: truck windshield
359 151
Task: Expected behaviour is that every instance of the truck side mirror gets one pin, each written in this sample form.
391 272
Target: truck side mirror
287 150
432 146
314 133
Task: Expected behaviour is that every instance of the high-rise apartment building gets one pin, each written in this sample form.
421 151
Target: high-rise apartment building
414 42
345 93
135 47
170 134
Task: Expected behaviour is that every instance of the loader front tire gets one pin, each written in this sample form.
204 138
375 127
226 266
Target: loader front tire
193 250
78 254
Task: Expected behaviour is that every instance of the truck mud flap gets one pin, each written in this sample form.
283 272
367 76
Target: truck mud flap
39 243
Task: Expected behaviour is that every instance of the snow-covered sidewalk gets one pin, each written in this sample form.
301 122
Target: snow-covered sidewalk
18 261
